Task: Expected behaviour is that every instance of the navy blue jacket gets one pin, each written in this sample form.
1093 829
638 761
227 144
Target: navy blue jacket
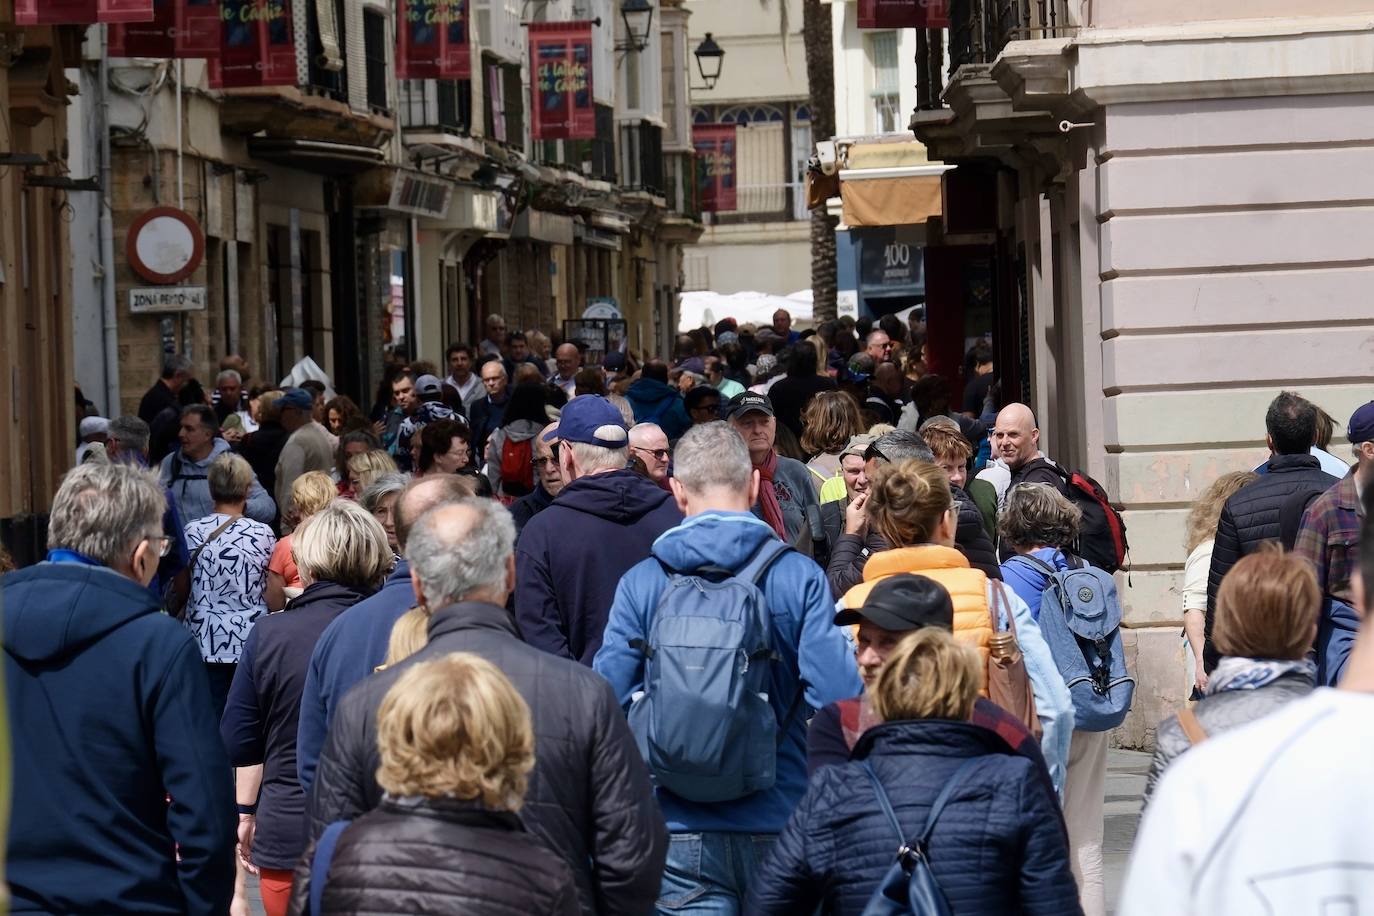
655 402
349 650
571 556
528 506
110 711
263 711
998 847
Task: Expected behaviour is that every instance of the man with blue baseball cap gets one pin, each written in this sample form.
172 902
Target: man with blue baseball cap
571 556
1329 535
307 449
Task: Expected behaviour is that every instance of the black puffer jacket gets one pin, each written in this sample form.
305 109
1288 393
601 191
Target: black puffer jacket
849 552
589 797
1252 516
997 847
385 862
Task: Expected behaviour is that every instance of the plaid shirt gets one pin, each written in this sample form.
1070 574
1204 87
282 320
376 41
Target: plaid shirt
1330 538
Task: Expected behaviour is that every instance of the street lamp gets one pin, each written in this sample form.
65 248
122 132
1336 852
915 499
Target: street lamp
709 58
638 16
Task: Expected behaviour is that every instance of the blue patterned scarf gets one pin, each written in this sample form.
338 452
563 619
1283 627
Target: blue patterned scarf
1235 673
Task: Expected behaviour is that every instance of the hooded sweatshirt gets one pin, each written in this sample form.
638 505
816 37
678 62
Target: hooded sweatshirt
655 402
808 646
111 706
571 556
191 490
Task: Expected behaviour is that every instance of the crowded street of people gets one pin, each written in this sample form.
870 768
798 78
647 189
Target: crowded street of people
628 457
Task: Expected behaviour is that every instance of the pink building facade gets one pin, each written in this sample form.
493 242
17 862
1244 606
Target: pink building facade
1187 200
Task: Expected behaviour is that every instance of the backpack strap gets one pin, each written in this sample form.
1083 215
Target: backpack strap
319 864
1192 728
769 552
1037 563
922 839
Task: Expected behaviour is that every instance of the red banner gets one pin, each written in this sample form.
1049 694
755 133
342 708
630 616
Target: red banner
179 28
256 45
432 40
81 12
715 146
903 14
561 65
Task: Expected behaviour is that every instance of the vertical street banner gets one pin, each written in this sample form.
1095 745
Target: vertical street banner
716 159
81 12
432 40
256 45
904 14
179 28
561 77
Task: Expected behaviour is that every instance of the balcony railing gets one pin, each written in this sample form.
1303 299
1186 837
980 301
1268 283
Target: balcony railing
979 30
641 157
436 105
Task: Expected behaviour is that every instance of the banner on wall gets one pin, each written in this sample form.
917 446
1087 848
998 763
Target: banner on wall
716 160
561 62
432 40
179 28
256 47
904 14
81 12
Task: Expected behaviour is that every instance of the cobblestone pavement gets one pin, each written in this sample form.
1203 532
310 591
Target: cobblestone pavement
1125 785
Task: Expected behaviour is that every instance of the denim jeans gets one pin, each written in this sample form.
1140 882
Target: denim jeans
708 874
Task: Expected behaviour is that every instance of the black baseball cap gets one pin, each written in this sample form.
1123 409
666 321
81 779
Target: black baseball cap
747 402
900 602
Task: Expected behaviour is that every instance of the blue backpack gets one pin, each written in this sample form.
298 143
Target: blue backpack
1080 618
703 722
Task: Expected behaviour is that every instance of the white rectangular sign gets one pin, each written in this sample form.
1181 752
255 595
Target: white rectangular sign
148 299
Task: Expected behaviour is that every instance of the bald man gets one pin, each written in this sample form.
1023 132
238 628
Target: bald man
649 444
1016 440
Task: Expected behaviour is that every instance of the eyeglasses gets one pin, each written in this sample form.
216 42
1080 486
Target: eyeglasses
660 454
163 541
552 459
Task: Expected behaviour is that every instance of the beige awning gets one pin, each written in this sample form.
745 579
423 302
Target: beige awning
891 201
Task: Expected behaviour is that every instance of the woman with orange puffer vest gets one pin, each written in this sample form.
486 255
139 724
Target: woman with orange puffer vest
910 506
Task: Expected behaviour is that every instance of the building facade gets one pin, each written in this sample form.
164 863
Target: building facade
1168 195
761 242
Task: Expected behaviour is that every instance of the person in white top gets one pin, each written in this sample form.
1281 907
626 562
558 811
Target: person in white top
1201 535
1273 817
461 377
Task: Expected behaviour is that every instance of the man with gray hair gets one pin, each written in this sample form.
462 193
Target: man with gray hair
111 711
714 484
231 402
589 796
850 553
571 556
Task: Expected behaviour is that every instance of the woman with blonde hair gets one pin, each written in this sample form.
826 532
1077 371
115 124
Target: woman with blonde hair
456 746
829 421
1266 621
911 508
925 778
366 467
1201 533
310 493
343 557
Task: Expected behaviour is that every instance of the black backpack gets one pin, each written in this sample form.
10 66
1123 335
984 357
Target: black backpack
1102 533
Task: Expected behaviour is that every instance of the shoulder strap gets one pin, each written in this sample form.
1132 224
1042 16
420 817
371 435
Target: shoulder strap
319 865
1192 728
883 803
999 603
763 559
935 809
1038 563
195 554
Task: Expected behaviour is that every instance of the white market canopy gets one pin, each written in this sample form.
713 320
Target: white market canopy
705 308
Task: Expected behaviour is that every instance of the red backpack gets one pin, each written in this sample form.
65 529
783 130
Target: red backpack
517 467
1102 533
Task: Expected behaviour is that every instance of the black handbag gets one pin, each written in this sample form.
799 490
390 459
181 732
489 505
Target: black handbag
909 888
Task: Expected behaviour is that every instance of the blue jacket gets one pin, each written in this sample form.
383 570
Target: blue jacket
1029 580
110 710
804 636
997 848
348 650
571 556
655 402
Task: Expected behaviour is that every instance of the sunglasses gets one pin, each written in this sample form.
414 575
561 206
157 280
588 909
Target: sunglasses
660 454
552 459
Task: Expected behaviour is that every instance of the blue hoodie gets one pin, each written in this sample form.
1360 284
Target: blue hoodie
570 557
110 708
655 402
805 637
1029 580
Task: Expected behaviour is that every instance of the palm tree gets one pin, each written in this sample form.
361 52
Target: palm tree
818 40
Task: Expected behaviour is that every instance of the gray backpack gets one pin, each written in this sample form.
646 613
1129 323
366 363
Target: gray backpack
704 722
